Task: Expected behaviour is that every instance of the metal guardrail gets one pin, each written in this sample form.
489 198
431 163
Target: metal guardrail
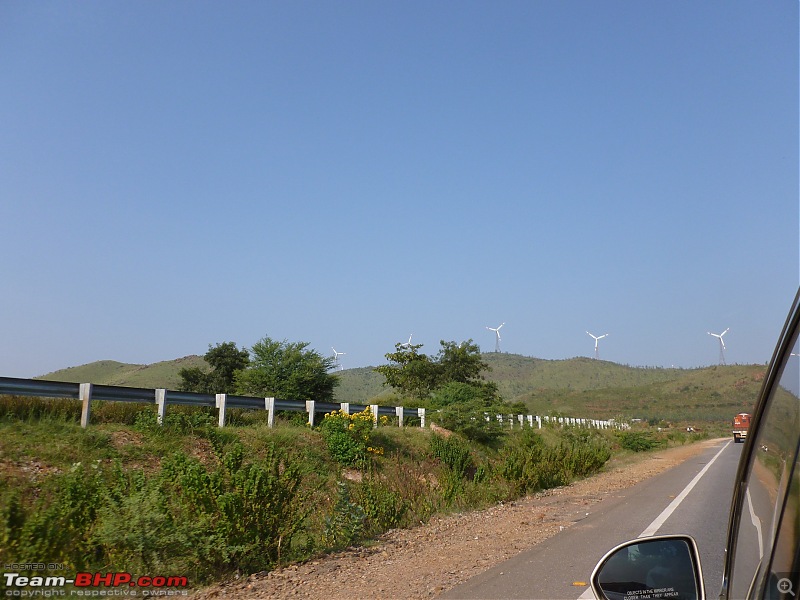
87 392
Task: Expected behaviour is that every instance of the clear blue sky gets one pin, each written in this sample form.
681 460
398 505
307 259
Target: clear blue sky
178 174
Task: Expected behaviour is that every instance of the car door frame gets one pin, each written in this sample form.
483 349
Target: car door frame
782 354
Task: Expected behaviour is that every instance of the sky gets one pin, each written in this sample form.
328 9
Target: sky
179 174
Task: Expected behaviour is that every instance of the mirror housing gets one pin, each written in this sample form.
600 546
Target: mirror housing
665 567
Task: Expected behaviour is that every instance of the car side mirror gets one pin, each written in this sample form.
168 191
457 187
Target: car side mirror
655 568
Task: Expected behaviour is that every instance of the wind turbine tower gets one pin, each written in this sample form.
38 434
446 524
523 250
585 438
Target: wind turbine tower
721 344
336 356
596 339
497 334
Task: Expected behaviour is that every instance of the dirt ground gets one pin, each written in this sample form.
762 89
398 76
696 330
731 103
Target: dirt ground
425 561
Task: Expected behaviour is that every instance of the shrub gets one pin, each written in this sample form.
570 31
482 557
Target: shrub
453 452
638 441
211 521
531 464
345 525
349 436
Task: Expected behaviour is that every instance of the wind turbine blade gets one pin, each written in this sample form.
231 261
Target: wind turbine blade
724 332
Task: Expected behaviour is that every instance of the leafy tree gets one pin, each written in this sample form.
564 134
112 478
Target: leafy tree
287 370
462 363
417 375
225 360
194 380
410 372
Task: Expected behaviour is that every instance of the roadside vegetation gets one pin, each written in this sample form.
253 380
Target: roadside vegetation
190 498
187 497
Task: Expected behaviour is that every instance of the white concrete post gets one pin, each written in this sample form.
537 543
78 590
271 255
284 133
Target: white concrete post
222 400
374 409
511 421
310 409
421 413
161 404
85 395
345 407
269 406
521 419
530 421
539 421
399 412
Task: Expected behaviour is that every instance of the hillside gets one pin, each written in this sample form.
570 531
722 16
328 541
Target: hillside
576 387
109 372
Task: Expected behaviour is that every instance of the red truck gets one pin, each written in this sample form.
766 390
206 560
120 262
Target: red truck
741 423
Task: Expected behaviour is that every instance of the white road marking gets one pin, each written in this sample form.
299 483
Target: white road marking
660 519
665 514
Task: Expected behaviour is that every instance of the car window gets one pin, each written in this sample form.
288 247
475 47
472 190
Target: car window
766 525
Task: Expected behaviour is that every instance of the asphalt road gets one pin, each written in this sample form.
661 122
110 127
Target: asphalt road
556 568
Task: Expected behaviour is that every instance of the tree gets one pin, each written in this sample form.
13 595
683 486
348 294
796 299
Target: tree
225 360
410 372
462 363
418 376
287 370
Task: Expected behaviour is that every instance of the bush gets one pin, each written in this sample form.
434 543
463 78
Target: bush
638 441
212 522
530 464
345 525
384 508
349 436
454 453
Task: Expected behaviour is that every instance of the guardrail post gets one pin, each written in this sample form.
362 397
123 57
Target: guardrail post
222 400
399 411
269 405
521 419
161 403
85 395
310 408
511 421
345 407
539 421
374 409
421 414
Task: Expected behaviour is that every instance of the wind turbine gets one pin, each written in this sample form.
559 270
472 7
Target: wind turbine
721 344
497 333
336 356
596 339
406 344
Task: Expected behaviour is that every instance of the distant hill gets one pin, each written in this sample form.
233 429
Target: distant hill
109 372
575 387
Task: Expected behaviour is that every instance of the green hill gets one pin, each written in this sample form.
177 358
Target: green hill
108 372
581 387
